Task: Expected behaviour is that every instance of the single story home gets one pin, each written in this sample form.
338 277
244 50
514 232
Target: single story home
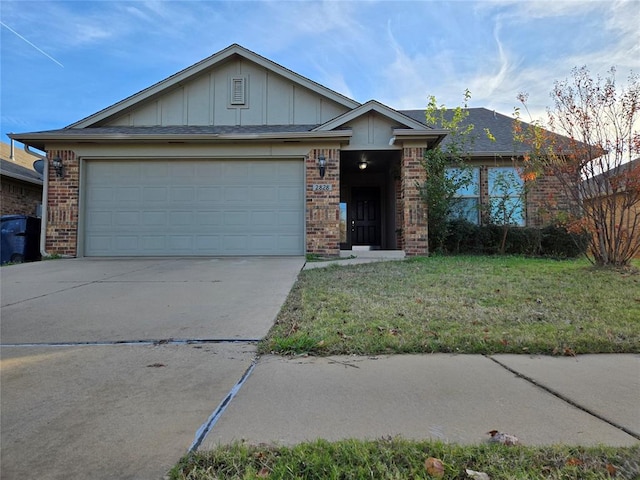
237 155
615 197
20 184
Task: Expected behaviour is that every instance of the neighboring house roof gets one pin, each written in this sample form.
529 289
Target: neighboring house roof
20 157
18 172
614 181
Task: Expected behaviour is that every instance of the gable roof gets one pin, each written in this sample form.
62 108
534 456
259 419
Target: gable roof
374 106
217 58
18 172
407 128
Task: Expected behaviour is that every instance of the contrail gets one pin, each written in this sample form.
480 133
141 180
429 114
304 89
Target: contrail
34 46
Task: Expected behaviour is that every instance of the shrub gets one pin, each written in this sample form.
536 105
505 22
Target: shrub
466 238
558 242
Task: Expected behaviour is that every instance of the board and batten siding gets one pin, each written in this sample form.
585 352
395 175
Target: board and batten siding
271 99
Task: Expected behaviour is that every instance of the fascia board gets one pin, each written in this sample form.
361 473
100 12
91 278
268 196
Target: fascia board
423 132
39 140
203 65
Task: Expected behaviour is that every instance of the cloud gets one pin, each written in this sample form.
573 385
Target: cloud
396 52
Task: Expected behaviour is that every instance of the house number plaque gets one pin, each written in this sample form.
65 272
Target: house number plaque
322 187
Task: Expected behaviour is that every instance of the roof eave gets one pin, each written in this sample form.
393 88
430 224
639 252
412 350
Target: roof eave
436 136
40 140
22 178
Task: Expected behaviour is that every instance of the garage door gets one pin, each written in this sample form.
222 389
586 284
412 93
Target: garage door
189 207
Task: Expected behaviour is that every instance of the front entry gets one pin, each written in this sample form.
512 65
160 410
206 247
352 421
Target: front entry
364 216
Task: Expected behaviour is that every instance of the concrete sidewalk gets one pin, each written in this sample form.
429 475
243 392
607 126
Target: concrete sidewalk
588 400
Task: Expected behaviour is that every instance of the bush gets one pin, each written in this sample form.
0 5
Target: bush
466 238
558 242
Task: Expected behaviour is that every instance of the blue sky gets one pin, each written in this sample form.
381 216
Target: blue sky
64 60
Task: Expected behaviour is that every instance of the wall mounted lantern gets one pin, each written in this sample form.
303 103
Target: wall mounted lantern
362 164
58 167
322 165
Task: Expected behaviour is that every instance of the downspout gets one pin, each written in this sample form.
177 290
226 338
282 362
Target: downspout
45 195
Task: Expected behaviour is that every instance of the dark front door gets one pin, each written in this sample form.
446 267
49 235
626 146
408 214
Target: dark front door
365 216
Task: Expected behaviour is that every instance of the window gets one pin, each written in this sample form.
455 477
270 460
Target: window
506 199
238 91
466 204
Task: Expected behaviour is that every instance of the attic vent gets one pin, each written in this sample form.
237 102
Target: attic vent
238 90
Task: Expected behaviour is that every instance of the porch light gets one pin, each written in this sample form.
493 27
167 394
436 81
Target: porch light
58 167
362 165
322 165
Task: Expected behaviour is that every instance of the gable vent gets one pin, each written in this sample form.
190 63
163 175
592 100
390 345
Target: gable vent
238 90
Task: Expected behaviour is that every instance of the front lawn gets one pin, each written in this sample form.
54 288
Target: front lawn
460 304
399 459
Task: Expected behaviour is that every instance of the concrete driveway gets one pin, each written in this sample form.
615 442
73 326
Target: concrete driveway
110 368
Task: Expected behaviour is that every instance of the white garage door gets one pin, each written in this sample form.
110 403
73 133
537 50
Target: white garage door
194 207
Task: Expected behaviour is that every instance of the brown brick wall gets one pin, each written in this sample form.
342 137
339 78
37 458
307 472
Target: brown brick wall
322 207
414 215
62 211
399 214
19 198
545 201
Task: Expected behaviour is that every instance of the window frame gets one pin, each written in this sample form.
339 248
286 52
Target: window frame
517 195
474 186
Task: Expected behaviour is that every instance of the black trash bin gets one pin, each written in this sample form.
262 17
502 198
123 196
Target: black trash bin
19 239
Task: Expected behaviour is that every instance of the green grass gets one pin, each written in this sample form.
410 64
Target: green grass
479 305
401 459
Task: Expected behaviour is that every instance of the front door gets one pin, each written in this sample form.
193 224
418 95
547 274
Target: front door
365 216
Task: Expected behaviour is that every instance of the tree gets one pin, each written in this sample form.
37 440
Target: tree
594 138
447 167
507 195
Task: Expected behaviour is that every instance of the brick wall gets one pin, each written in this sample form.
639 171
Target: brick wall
19 198
413 236
545 200
323 207
62 211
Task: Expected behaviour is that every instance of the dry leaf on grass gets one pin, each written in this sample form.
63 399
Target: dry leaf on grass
434 467
503 438
477 475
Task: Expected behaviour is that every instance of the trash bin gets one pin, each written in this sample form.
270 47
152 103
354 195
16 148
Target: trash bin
19 239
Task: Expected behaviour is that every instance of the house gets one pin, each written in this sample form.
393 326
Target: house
614 196
20 184
237 155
